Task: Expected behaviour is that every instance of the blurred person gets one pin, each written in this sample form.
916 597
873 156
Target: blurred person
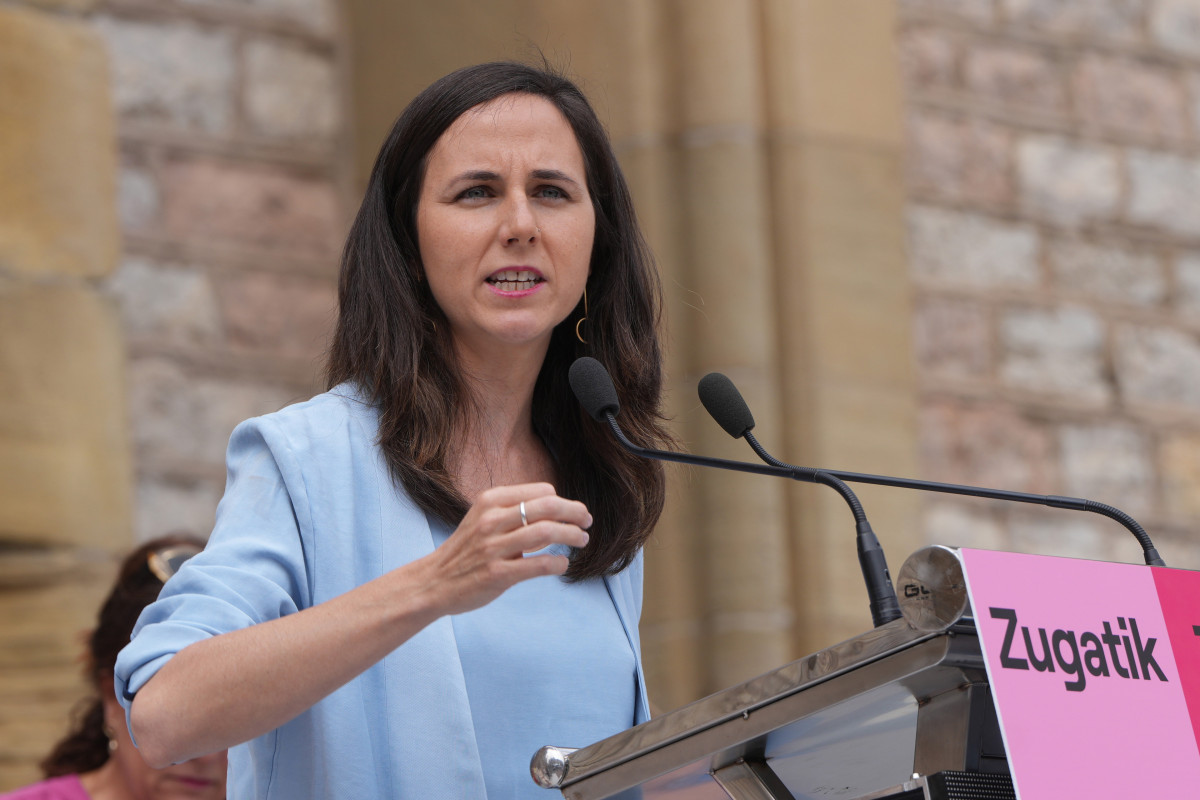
424 574
97 760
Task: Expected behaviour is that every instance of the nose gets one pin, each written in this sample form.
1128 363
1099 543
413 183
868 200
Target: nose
519 225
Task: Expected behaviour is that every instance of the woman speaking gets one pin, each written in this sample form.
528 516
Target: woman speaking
424 574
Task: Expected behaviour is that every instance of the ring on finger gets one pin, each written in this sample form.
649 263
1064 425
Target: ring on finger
524 519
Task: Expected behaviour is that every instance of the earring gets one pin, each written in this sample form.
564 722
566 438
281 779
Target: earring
582 319
112 739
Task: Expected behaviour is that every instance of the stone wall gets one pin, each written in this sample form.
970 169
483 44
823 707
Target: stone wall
168 263
1054 234
65 499
173 200
233 203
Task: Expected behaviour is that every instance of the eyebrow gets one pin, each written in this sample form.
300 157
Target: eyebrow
540 174
553 175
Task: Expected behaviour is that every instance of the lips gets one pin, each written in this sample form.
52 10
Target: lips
515 280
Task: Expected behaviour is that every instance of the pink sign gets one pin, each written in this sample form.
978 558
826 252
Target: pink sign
1095 672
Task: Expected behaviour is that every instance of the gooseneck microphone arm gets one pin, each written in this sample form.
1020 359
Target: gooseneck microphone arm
688 458
726 405
885 606
1054 501
779 470
594 389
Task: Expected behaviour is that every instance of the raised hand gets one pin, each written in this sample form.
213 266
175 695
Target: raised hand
487 553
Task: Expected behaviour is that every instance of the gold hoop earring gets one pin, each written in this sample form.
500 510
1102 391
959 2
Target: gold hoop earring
582 319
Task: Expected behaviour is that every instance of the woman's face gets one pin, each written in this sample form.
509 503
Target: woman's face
199 779
505 223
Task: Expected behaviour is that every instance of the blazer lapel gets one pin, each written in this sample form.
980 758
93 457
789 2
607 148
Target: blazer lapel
621 590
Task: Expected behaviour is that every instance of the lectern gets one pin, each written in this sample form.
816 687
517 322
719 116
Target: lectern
1007 674
902 711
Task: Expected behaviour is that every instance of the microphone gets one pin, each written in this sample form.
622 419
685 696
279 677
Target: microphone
594 389
726 405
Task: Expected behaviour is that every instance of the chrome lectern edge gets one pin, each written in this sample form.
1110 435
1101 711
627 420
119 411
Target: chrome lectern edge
736 701
895 663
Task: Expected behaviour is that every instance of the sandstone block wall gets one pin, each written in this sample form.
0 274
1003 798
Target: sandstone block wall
1053 161
169 242
65 472
233 203
172 207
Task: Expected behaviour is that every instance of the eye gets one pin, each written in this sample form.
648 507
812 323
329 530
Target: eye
552 193
475 193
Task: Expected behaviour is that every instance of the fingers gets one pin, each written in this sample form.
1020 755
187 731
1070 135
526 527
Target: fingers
547 520
487 553
537 535
553 508
495 524
512 495
498 510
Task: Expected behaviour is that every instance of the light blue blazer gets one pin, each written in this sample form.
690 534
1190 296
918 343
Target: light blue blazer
310 511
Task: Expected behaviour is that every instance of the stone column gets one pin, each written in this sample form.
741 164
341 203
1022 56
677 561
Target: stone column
833 105
640 107
731 327
65 472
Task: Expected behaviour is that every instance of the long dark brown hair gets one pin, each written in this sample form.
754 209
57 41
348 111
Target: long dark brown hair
85 747
391 336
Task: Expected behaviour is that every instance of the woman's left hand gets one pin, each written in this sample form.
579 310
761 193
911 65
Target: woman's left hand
486 554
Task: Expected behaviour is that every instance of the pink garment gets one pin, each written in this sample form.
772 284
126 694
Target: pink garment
66 787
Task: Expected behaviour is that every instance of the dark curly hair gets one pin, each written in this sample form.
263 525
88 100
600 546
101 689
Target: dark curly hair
387 342
85 747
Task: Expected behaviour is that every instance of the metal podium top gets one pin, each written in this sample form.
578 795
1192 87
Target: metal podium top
853 719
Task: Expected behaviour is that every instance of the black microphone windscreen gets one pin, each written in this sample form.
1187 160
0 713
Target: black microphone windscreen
725 404
593 387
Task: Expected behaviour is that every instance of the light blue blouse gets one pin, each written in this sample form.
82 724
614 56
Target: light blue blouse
522 653
311 511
